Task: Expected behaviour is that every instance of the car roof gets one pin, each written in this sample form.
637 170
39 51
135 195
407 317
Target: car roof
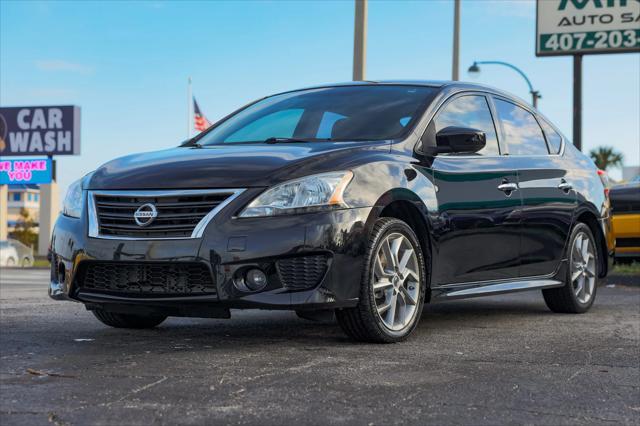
429 83
448 85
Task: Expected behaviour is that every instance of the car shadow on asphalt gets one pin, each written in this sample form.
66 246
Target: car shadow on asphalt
266 329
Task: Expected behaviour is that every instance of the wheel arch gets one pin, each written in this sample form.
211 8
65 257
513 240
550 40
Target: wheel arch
590 218
407 206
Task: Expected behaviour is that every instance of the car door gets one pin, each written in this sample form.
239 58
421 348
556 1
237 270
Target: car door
545 185
477 229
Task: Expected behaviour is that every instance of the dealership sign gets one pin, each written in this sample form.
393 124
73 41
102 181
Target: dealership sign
569 27
14 172
49 130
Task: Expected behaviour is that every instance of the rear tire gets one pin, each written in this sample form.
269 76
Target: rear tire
392 289
126 320
581 280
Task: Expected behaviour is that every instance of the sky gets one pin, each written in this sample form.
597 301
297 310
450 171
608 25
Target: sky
126 64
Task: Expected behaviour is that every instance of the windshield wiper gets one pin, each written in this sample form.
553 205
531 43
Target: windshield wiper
294 140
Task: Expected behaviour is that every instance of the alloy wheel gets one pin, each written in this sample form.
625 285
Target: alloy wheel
396 281
583 267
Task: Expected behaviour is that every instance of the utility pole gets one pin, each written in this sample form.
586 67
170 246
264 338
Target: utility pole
189 104
360 41
456 41
577 101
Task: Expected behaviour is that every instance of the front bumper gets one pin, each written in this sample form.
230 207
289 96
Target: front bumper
228 247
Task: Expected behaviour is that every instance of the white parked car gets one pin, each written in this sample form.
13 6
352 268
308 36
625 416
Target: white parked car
8 254
15 253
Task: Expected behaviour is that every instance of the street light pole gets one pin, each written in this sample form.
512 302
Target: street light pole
360 40
535 95
455 66
577 101
189 106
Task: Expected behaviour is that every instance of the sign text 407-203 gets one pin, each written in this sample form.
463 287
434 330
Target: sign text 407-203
595 40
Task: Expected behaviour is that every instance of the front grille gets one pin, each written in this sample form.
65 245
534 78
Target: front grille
627 242
302 272
163 279
177 214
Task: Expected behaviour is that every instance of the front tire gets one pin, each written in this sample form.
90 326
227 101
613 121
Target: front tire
581 280
126 320
392 288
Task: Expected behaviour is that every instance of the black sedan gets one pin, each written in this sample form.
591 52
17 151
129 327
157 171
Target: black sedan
364 199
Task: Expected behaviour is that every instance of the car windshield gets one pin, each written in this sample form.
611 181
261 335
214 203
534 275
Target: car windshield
347 113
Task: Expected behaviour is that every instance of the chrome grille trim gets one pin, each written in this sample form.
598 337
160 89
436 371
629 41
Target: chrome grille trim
198 230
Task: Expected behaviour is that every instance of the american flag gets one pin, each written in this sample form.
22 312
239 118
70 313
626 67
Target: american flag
200 121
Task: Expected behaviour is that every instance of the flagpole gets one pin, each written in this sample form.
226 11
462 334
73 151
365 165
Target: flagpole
189 106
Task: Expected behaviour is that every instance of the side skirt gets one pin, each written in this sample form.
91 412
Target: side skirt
460 291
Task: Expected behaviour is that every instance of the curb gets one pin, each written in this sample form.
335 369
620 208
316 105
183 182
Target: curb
18 268
628 280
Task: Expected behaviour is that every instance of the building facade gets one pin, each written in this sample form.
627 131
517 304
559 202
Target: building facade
629 172
20 197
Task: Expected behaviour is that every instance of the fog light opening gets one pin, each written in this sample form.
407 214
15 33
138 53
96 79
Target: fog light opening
255 279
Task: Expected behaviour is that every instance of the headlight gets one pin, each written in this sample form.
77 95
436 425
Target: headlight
305 194
73 200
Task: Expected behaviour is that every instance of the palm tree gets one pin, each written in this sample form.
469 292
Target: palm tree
606 157
24 230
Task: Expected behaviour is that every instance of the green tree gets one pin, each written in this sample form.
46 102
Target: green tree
25 230
606 157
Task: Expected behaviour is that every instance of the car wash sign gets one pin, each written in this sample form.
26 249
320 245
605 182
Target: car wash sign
570 27
23 171
47 130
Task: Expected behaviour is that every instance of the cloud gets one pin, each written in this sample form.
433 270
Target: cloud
61 65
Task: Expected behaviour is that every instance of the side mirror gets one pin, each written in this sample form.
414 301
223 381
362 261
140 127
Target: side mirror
460 140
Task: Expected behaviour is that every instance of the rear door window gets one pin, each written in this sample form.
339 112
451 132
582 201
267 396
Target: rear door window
521 131
554 140
471 112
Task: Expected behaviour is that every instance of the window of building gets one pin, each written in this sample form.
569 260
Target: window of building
16 196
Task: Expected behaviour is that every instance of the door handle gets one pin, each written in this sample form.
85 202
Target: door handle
565 186
508 187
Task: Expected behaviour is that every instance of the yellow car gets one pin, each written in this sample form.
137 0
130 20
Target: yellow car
625 207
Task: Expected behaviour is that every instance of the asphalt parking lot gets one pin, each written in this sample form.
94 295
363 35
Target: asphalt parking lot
497 360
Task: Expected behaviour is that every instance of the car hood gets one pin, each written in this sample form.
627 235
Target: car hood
223 166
